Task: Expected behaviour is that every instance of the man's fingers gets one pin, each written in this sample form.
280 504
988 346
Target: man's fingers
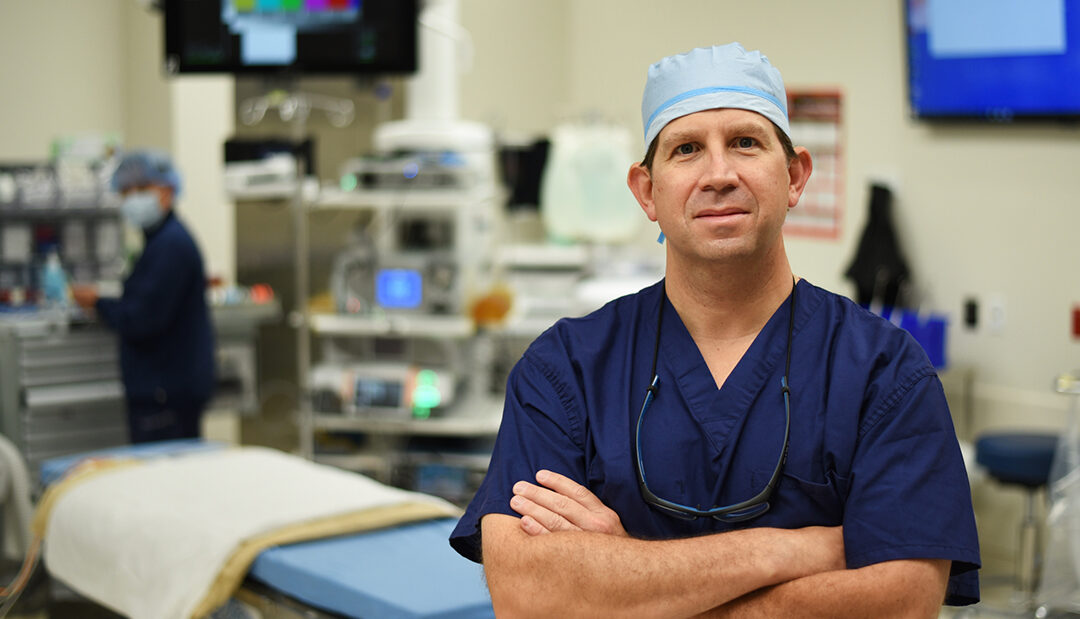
565 505
539 515
532 527
569 488
551 509
596 516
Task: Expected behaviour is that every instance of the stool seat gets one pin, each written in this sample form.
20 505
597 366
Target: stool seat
1017 457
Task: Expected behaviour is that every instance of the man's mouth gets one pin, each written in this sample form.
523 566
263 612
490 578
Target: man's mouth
719 212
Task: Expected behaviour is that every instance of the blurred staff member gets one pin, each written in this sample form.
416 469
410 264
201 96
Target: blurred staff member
166 341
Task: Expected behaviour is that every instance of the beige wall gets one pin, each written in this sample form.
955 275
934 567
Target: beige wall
147 101
984 211
520 79
61 73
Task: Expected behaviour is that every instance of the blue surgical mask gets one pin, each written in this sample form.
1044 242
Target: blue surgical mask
142 209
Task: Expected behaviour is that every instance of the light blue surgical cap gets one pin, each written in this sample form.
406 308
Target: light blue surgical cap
139 168
722 76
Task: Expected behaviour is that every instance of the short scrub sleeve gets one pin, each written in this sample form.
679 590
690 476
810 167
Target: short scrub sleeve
909 495
540 430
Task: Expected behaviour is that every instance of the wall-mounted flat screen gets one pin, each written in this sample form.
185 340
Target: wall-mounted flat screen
291 36
995 60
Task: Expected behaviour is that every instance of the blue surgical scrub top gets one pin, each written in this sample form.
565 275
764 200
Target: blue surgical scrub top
163 322
872 445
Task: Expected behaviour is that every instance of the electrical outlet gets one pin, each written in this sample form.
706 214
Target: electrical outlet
971 313
995 313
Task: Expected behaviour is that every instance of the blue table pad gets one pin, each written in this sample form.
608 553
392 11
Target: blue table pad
402 572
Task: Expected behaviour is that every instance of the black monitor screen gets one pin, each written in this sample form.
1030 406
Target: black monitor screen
290 36
994 59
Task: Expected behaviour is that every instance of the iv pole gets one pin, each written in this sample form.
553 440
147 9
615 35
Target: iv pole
295 109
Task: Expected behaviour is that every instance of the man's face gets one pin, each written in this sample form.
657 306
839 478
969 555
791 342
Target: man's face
720 185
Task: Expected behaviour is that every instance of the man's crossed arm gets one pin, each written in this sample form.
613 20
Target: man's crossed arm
568 555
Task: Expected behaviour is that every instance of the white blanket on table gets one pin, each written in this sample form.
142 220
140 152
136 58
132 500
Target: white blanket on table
162 539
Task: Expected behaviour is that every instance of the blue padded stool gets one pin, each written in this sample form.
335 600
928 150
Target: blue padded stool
1023 459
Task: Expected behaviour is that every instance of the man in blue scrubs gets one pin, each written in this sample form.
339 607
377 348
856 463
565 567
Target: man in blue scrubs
733 440
166 338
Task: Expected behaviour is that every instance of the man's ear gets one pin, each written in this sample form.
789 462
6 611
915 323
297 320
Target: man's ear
165 196
799 170
639 180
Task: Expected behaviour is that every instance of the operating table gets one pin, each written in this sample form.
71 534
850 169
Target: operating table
407 570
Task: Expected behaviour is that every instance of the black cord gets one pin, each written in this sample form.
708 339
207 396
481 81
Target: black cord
654 385
790 331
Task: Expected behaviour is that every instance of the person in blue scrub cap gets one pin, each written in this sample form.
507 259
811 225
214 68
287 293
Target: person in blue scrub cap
162 319
733 440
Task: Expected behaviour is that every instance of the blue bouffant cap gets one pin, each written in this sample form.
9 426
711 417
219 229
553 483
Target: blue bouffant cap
722 76
139 168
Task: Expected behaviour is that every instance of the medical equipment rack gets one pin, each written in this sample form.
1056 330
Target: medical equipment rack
385 453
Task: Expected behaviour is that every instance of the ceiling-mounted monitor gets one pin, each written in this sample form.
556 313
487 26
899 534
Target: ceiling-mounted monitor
291 37
993 60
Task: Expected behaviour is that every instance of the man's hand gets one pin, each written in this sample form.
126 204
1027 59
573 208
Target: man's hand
562 505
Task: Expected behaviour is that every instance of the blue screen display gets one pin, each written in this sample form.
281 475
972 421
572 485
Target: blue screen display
398 288
994 59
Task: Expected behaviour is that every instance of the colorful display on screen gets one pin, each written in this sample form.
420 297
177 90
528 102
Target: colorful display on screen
271 6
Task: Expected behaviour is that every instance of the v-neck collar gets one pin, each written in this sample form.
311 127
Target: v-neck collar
719 410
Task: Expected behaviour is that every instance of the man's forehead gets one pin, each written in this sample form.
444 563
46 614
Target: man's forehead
728 119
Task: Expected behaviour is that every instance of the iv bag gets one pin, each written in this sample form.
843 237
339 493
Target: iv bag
583 193
1059 588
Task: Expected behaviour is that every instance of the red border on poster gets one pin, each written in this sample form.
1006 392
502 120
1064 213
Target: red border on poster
816 122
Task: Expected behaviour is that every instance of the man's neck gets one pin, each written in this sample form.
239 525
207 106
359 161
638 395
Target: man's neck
729 301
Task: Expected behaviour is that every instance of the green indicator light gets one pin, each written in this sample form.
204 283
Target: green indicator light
426 395
348 182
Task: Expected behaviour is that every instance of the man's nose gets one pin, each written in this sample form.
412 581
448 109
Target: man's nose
718 173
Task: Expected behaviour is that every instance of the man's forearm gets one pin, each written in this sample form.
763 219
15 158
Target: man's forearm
910 588
585 574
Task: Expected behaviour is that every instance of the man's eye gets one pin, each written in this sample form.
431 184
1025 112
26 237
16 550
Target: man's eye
684 149
746 142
